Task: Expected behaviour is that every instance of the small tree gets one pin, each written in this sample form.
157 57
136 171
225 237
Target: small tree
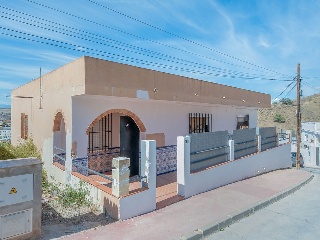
286 101
279 118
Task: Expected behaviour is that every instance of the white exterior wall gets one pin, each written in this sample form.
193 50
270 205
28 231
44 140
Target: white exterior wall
135 204
310 138
311 126
170 118
5 134
192 184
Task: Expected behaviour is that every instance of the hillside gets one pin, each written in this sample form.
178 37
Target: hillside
310 112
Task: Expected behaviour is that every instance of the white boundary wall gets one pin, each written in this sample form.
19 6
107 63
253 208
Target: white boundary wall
134 204
143 202
232 171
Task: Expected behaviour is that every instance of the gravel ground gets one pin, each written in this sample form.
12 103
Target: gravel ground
58 221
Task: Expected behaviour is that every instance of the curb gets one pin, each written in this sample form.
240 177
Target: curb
234 217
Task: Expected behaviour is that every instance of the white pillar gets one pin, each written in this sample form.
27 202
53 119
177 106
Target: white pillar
149 169
68 163
231 150
148 166
259 143
120 176
183 164
47 155
289 135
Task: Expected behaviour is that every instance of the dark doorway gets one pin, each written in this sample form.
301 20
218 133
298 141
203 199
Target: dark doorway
129 143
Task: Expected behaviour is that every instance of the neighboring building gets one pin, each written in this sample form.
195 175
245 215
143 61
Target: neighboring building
92 105
5 134
310 143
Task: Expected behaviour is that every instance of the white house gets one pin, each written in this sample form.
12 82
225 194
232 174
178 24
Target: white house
95 110
310 143
5 134
92 105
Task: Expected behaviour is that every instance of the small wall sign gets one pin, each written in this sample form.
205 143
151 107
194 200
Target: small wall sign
13 190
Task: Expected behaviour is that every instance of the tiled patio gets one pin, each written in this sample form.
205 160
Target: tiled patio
166 188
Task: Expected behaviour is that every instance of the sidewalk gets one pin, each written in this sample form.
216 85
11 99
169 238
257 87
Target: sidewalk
205 213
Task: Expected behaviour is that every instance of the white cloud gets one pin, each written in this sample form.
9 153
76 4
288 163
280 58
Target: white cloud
8 85
262 41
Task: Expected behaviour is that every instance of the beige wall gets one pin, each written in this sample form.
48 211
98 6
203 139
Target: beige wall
114 79
57 88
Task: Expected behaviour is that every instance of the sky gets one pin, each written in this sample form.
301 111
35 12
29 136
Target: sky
249 44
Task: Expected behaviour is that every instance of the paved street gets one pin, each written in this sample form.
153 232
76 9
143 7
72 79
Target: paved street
297 216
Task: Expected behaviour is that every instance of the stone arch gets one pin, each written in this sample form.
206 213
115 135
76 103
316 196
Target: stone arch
59 116
59 134
135 118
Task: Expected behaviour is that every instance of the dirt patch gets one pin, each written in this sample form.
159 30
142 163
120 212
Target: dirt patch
58 221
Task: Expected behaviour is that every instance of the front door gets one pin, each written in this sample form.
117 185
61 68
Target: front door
129 143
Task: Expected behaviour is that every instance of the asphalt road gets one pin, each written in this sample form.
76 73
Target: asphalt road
296 216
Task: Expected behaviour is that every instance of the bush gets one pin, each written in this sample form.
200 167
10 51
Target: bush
279 118
74 197
286 101
5 153
23 150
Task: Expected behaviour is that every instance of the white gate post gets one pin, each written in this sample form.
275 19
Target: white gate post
231 150
120 176
68 163
183 163
289 134
148 166
259 143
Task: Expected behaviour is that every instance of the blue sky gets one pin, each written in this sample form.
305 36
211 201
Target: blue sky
238 43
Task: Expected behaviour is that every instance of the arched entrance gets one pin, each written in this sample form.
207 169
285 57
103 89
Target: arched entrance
112 134
59 136
129 142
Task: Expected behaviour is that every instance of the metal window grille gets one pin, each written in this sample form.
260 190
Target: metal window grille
200 122
24 126
100 135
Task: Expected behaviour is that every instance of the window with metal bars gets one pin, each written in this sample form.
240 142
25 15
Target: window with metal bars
243 122
100 135
200 122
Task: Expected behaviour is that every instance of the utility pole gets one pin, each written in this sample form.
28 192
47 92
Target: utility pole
298 118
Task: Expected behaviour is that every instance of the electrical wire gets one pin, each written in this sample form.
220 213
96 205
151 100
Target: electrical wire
79 48
206 67
310 86
283 90
133 35
290 90
183 38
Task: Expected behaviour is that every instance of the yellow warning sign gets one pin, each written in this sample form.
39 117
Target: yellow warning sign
13 190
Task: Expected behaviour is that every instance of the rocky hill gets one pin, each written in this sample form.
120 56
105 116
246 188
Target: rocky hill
310 112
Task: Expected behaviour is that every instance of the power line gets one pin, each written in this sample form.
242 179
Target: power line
79 48
206 67
290 90
219 70
283 90
183 38
136 36
315 88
